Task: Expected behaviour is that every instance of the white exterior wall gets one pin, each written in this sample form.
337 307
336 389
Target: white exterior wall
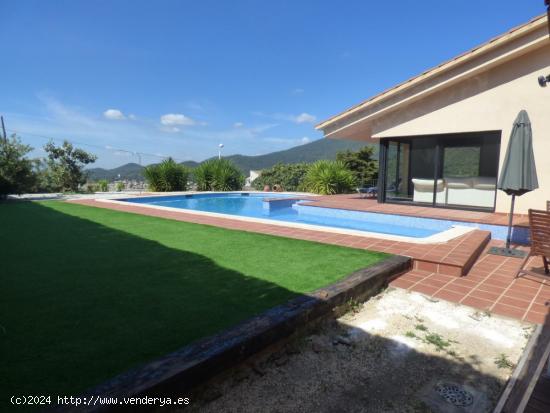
487 101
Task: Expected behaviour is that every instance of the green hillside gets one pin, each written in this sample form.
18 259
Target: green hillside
310 152
128 171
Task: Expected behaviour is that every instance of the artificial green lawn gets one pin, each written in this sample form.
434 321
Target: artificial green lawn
87 293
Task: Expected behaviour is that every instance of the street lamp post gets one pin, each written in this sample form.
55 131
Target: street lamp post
220 146
139 161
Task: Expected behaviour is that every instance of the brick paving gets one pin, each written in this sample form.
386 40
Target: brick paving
490 285
459 270
356 203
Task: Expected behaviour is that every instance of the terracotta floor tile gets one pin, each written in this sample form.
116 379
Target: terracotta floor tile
514 302
401 283
448 295
520 295
540 308
424 289
537 318
477 303
434 282
465 282
484 295
508 311
539 299
459 289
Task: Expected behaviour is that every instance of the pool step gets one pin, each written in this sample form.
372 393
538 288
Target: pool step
453 260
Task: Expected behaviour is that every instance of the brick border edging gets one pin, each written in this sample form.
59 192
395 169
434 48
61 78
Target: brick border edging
200 361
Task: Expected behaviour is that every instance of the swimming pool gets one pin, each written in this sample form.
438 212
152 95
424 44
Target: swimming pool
290 210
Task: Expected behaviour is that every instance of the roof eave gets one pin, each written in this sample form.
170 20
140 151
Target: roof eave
500 40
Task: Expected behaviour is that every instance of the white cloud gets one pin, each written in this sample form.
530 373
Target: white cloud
170 129
62 121
132 116
305 118
297 91
238 125
114 114
301 118
287 141
171 119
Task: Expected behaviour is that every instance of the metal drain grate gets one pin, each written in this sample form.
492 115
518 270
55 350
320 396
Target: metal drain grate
454 394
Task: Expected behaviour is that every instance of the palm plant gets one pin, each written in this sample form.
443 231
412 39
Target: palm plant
218 175
328 178
166 176
103 185
204 175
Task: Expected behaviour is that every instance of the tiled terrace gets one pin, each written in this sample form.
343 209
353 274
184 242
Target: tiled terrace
357 203
487 283
490 285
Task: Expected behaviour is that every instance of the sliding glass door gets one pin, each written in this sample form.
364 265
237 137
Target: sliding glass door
442 170
397 177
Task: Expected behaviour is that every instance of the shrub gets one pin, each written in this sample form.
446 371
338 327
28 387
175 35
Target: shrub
166 176
218 175
91 187
289 176
16 170
360 163
120 186
329 177
103 185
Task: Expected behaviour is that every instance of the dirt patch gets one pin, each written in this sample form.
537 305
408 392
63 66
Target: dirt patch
383 357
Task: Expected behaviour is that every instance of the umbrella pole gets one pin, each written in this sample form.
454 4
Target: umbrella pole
510 222
507 251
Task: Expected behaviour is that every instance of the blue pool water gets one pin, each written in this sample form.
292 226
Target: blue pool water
290 210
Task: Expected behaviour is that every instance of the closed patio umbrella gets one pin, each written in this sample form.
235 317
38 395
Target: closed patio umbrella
518 175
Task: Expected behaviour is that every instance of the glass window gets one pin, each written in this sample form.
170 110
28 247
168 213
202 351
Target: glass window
452 170
461 161
469 171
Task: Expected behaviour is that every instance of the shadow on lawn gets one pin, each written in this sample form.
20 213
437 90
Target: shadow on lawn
82 302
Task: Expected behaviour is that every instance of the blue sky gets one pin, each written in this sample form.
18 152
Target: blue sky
179 77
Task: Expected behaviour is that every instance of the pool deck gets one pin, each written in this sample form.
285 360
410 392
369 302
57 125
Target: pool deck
356 203
459 270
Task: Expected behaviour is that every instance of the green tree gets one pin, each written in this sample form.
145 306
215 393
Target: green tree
360 163
167 176
16 170
66 165
288 175
328 178
103 185
218 175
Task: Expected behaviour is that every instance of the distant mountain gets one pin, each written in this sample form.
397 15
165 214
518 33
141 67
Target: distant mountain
191 164
310 152
129 171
